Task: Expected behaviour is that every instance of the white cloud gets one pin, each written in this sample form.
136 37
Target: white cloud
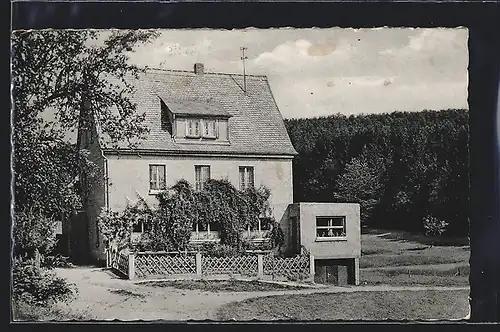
301 54
323 71
431 41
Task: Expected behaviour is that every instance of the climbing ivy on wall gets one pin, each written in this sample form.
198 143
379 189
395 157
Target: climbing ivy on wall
181 207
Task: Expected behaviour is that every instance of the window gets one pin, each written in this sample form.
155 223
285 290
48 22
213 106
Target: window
193 128
141 225
157 178
201 175
209 232
209 128
246 177
330 227
264 225
205 128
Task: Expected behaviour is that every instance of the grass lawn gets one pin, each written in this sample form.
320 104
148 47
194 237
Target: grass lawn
401 258
54 312
222 285
403 305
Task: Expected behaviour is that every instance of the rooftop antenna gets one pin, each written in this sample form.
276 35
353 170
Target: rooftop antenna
243 58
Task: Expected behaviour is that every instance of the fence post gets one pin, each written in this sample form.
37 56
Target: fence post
198 264
312 272
131 266
260 266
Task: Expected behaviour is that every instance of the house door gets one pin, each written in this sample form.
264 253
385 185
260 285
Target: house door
78 238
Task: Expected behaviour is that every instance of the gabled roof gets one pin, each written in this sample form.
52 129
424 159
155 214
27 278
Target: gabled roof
191 107
255 122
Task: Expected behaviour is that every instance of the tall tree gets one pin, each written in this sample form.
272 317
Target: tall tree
75 75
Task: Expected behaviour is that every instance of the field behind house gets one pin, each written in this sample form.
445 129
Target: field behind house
389 258
404 259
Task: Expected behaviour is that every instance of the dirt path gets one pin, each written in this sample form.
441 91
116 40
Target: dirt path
440 267
103 296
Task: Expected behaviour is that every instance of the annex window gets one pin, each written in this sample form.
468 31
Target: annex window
330 227
201 175
246 177
193 128
157 178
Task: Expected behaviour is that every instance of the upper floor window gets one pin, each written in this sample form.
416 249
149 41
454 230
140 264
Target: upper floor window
157 178
201 128
201 175
246 177
330 227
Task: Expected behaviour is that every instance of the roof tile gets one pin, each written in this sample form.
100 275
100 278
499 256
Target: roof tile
255 126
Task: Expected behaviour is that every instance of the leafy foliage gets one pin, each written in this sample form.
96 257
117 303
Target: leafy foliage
62 81
400 166
116 227
359 183
38 286
74 77
434 226
219 204
33 231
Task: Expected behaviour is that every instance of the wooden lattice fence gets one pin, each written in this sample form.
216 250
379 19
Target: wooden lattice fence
292 268
145 265
121 263
148 264
244 265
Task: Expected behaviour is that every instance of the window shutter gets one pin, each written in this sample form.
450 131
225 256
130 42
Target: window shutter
188 122
197 128
250 177
161 177
152 178
242 178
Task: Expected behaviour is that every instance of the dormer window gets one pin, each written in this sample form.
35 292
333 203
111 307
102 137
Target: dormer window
209 130
198 122
193 128
201 128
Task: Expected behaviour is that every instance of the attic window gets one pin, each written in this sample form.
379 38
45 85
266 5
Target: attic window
209 128
201 128
193 128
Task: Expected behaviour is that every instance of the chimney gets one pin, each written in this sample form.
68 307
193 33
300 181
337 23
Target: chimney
198 68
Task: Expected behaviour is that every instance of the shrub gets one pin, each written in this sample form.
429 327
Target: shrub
434 226
33 231
53 261
153 242
38 286
221 250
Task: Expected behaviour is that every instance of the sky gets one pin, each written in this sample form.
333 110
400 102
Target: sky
318 72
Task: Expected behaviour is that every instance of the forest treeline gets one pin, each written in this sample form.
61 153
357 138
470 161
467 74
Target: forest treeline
402 167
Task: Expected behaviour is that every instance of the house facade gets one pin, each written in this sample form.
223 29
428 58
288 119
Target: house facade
201 126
